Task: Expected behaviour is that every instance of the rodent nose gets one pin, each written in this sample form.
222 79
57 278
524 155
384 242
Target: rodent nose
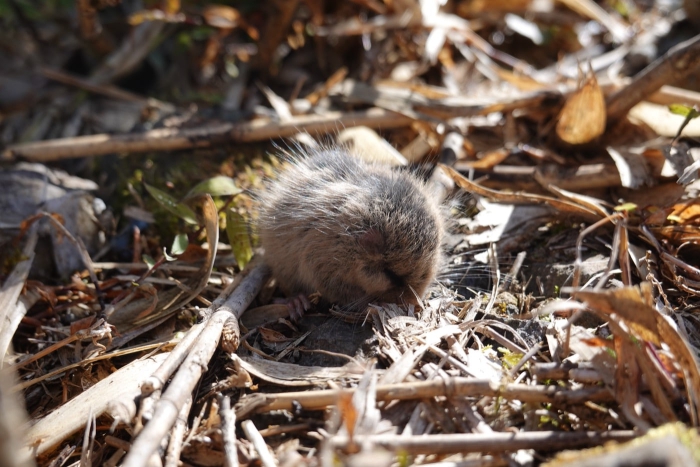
410 299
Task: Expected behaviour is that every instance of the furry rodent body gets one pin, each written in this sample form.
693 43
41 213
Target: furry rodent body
356 232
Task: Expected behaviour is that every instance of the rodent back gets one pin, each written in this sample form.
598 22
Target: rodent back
356 232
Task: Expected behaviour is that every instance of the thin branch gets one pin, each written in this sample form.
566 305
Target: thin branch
228 432
187 378
171 139
452 387
254 436
487 442
676 64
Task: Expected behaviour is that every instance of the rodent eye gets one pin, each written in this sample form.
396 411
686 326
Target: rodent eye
395 279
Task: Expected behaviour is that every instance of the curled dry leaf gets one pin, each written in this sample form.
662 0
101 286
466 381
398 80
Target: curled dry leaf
635 306
677 225
271 336
291 375
348 412
490 159
264 314
583 118
563 206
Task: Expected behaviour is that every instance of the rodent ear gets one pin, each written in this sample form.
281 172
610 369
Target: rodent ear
372 241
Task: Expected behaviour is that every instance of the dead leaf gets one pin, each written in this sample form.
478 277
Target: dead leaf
272 336
264 314
476 7
192 253
656 196
347 412
635 306
583 117
686 213
291 375
81 324
491 159
563 206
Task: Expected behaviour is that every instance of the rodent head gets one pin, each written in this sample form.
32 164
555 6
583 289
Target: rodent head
356 232
392 249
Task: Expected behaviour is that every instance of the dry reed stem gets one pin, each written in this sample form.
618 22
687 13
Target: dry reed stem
171 139
487 442
194 365
452 387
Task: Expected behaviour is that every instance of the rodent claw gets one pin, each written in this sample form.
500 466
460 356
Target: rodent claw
297 306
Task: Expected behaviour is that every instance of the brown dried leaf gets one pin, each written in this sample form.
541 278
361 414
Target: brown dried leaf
563 206
192 253
522 82
677 234
583 117
656 196
681 217
635 306
291 375
264 314
270 335
597 342
347 412
81 324
686 213
491 159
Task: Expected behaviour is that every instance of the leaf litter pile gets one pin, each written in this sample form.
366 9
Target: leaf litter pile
138 320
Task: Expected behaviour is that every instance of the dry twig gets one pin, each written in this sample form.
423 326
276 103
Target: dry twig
182 384
168 139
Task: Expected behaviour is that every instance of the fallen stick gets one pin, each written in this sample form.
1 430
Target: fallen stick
228 432
486 442
256 439
452 387
673 67
171 139
103 89
195 363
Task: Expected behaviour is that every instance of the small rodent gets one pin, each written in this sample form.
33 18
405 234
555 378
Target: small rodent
357 232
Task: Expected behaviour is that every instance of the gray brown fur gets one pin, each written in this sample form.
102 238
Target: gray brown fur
355 232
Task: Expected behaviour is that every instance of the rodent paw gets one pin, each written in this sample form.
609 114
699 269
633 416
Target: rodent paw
297 306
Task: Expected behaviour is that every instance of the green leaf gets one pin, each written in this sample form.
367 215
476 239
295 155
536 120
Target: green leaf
509 359
149 261
220 185
684 110
237 231
626 207
688 112
171 204
179 244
